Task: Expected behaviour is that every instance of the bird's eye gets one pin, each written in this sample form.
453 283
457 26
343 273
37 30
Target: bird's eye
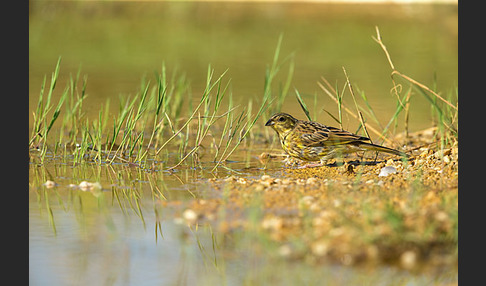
281 119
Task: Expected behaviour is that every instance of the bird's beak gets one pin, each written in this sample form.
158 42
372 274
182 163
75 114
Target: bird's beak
270 123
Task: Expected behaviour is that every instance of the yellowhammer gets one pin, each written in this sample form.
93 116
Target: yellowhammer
313 141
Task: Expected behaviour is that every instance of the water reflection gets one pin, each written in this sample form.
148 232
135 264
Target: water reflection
111 247
132 231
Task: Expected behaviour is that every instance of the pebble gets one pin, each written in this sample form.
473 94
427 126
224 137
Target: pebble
442 153
189 215
441 216
230 179
50 184
385 171
84 185
319 248
311 180
446 159
286 181
265 177
259 188
274 223
424 154
87 186
408 259
267 183
301 181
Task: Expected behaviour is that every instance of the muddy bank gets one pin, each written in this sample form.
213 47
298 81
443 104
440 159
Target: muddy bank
388 211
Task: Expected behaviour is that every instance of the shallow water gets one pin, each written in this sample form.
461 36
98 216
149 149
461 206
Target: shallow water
125 234
130 233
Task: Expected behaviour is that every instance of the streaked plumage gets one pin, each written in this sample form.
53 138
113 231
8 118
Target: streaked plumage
313 141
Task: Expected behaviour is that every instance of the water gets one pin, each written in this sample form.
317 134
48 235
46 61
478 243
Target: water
125 234
117 44
128 236
133 232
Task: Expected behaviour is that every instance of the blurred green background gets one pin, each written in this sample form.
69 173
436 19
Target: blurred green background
116 44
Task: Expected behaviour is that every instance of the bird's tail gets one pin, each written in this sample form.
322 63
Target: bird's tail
374 147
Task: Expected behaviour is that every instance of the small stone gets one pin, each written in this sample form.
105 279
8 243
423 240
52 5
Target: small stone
441 216
385 171
319 248
230 179
301 181
259 188
87 186
265 177
286 181
189 215
446 159
424 153
84 185
50 184
266 183
442 153
408 259
274 223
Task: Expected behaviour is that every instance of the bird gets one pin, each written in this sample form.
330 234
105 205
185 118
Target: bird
313 141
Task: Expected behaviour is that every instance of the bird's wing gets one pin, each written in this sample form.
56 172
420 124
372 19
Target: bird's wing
315 134
312 133
318 138
340 136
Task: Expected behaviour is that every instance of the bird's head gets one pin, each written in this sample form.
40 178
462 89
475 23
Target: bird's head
282 123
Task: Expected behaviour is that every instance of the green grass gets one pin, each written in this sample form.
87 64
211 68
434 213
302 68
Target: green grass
42 125
165 114
155 119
